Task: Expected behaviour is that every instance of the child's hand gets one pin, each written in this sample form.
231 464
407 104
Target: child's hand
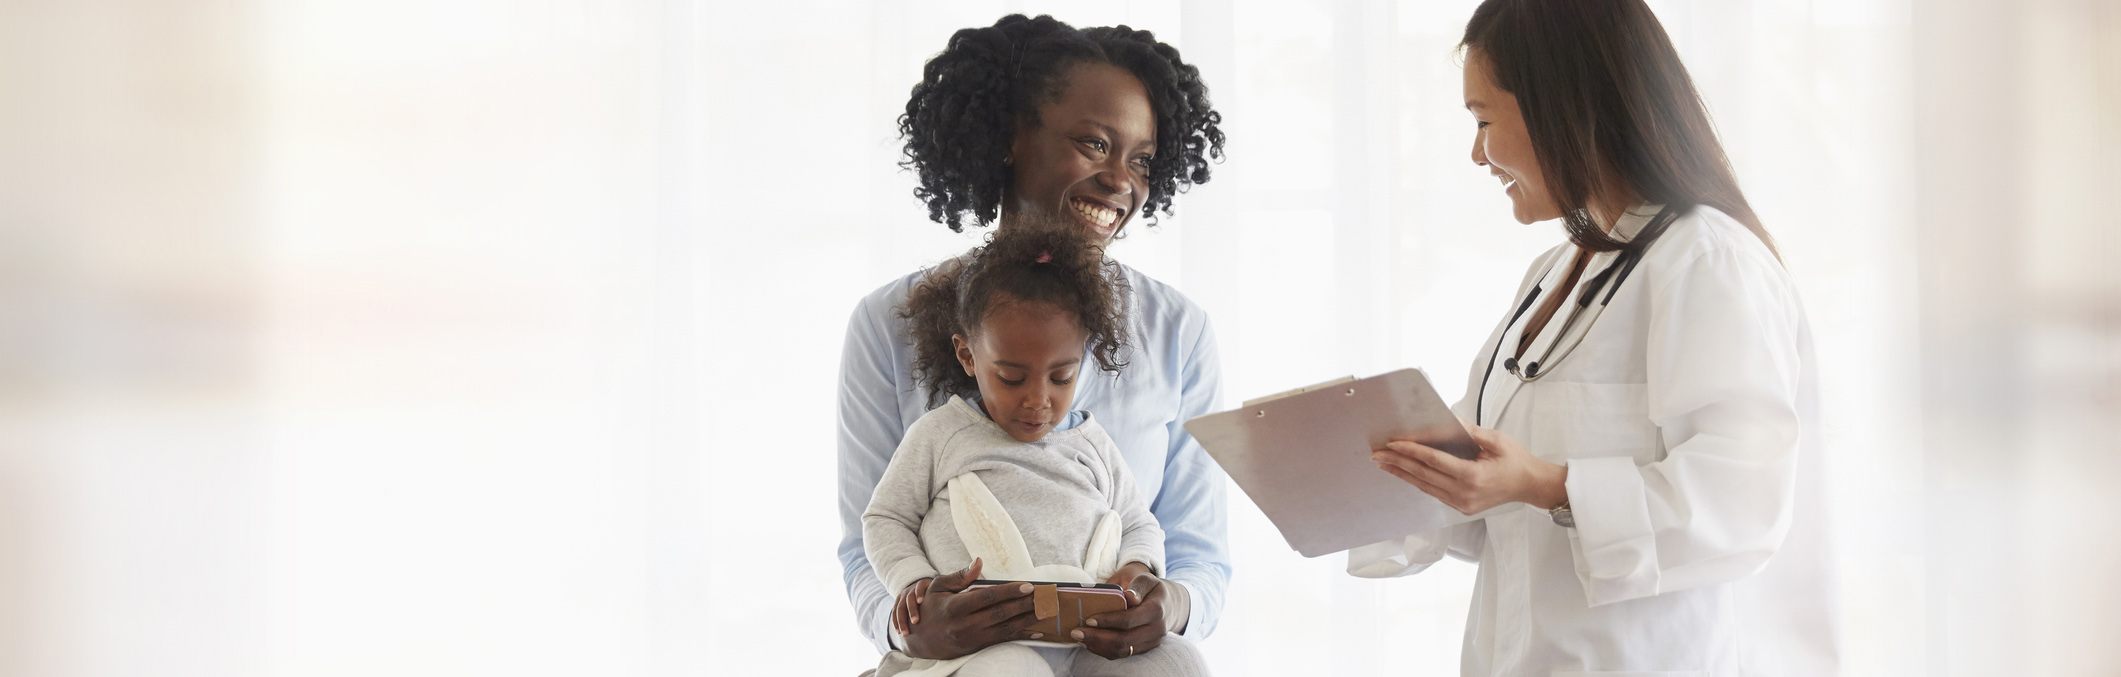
907 610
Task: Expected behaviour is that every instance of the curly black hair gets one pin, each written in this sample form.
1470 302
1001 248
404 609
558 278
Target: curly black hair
964 113
1045 263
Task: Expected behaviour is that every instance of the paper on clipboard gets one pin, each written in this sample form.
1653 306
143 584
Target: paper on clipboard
1304 458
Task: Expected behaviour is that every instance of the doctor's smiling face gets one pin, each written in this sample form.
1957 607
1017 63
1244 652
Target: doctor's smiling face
1502 144
1086 157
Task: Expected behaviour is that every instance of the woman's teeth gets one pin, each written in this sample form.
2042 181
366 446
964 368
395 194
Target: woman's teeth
1101 215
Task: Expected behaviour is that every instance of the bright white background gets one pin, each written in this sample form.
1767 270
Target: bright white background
461 337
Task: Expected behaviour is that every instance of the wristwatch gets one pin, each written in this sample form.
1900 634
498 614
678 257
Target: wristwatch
1562 516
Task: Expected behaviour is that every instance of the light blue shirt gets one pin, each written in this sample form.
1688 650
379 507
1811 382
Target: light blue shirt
1173 375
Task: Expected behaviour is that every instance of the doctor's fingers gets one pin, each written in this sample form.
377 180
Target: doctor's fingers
1443 462
1399 453
1458 497
1496 441
1436 466
1452 491
1408 477
1433 458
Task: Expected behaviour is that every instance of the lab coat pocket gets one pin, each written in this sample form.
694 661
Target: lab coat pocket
1592 420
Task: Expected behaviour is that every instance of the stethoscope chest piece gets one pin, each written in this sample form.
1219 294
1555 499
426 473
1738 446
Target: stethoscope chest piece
1607 281
1530 372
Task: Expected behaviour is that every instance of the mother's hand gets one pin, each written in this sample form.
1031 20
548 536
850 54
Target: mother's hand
1504 472
945 622
1138 629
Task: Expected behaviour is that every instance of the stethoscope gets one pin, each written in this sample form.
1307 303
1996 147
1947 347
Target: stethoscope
1616 273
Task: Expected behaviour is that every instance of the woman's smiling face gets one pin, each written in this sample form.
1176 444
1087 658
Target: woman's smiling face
1502 145
1087 159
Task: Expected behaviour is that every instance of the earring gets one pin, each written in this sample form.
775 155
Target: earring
1008 161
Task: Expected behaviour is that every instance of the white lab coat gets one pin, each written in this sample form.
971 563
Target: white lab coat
1688 418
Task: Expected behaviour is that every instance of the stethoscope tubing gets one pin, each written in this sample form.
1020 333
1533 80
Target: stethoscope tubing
1540 368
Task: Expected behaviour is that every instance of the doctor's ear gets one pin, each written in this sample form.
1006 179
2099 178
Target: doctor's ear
964 352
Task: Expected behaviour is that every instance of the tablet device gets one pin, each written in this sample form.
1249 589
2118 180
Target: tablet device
1061 607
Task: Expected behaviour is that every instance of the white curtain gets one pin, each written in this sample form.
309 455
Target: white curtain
481 337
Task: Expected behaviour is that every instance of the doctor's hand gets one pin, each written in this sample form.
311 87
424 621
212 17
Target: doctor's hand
1504 472
1140 628
943 621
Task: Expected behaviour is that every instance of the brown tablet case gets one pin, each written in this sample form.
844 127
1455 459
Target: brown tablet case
1060 610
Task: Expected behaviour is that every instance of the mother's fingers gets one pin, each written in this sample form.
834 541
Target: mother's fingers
989 626
1012 599
957 581
1118 644
1132 617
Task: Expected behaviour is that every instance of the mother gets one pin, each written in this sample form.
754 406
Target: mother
1033 119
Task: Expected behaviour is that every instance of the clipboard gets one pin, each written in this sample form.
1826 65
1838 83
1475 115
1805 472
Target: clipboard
1304 457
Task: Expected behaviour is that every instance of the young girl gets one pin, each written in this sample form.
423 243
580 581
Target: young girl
1001 470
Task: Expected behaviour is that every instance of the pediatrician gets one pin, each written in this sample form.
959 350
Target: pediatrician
1647 500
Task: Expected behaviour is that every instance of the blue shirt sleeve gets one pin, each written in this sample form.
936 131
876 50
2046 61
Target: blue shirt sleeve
1191 504
869 431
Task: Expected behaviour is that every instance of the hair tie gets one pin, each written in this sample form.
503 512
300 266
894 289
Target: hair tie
1045 257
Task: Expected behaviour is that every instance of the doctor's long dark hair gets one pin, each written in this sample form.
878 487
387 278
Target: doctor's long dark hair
1603 95
1031 262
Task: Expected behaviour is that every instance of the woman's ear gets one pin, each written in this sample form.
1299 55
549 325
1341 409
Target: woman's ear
964 352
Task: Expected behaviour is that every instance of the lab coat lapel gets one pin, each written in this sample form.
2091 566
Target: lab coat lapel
1561 329
1553 333
1502 385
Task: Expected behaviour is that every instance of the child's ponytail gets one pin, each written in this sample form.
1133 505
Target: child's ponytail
1051 264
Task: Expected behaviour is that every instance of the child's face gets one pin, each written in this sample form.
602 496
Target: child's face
1026 357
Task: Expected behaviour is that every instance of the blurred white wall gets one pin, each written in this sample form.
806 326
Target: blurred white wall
461 337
